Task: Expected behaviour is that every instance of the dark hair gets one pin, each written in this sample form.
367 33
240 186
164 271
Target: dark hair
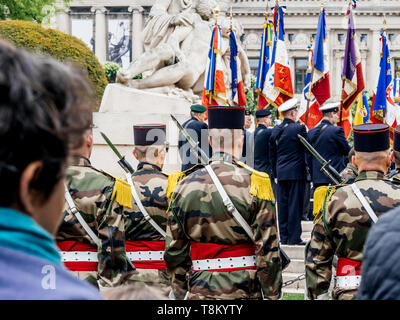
45 107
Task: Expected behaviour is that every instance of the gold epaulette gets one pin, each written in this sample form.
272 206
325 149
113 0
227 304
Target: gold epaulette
322 195
173 180
260 183
122 191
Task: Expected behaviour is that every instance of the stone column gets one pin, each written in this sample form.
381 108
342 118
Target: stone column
63 20
373 58
100 33
137 30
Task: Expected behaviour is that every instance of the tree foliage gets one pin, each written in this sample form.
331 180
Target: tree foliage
59 45
28 10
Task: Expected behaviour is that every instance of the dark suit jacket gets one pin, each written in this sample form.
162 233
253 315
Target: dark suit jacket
332 145
248 148
288 158
199 132
261 149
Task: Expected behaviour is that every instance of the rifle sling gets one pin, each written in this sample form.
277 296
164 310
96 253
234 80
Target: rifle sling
364 202
78 216
314 141
142 208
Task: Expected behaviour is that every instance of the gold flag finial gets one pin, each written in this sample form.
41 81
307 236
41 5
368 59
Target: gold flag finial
384 22
322 5
216 12
231 20
266 12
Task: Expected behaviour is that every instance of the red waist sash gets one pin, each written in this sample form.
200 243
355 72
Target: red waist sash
137 245
204 251
72 245
348 267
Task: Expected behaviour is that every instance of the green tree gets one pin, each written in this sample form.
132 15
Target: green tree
28 10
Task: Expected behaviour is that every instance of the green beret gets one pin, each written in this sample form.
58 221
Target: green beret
198 108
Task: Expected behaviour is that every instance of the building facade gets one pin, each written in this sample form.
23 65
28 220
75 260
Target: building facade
113 29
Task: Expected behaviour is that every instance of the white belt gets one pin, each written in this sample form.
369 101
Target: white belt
145 255
347 281
91 256
224 263
78 256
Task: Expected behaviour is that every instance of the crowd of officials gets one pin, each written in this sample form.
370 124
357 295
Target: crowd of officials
210 231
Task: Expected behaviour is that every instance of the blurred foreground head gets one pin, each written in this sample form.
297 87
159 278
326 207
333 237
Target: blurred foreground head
45 108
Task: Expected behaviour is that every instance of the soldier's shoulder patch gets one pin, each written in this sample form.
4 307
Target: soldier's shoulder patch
260 183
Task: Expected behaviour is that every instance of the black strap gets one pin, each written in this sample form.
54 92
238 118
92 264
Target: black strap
314 141
280 134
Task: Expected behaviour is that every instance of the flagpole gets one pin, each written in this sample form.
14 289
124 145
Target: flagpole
311 79
266 34
276 40
216 12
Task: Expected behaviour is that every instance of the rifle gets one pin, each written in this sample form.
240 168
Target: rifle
326 168
203 158
127 168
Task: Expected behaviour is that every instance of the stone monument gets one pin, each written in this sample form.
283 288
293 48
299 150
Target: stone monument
176 41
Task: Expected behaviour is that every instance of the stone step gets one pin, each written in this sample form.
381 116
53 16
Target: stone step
295 266
294 252
290 276
293 291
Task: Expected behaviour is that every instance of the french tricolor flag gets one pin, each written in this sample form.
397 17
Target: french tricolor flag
320 85
383 108
238 92
278 86
314 114
214 92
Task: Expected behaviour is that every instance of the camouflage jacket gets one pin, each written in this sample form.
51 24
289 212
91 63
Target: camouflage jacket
92 191
151 185
394 176
342 230
349 173
197 214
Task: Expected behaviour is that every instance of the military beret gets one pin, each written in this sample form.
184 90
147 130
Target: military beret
371 137
198 108
263 113
396 139
225 117
330 107
288 105
149 134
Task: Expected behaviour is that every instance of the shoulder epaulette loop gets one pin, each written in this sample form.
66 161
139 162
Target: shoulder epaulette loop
260 183
322 195
173 180
123 193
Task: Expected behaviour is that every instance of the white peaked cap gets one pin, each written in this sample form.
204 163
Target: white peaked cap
290 104
329 106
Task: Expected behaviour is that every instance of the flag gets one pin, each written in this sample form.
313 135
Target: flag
396 91
264 63
238 93
384 109
214 92
362 110
352 75
320 84
314 114
278 86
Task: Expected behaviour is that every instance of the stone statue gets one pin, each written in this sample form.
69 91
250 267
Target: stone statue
176 40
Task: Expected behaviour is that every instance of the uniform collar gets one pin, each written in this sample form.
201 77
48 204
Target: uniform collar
80 161
261 126
287 120
326 122
193 118
370 175
222 157
148 166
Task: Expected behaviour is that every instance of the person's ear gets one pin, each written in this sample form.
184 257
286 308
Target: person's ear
89 141
27 197
354 162
135 154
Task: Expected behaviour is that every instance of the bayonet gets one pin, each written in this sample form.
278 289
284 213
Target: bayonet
326 168
122 161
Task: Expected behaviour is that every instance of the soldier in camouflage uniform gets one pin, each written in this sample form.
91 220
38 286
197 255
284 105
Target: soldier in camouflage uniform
343 224
394 175
97 196
208 254
350 172
151 185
